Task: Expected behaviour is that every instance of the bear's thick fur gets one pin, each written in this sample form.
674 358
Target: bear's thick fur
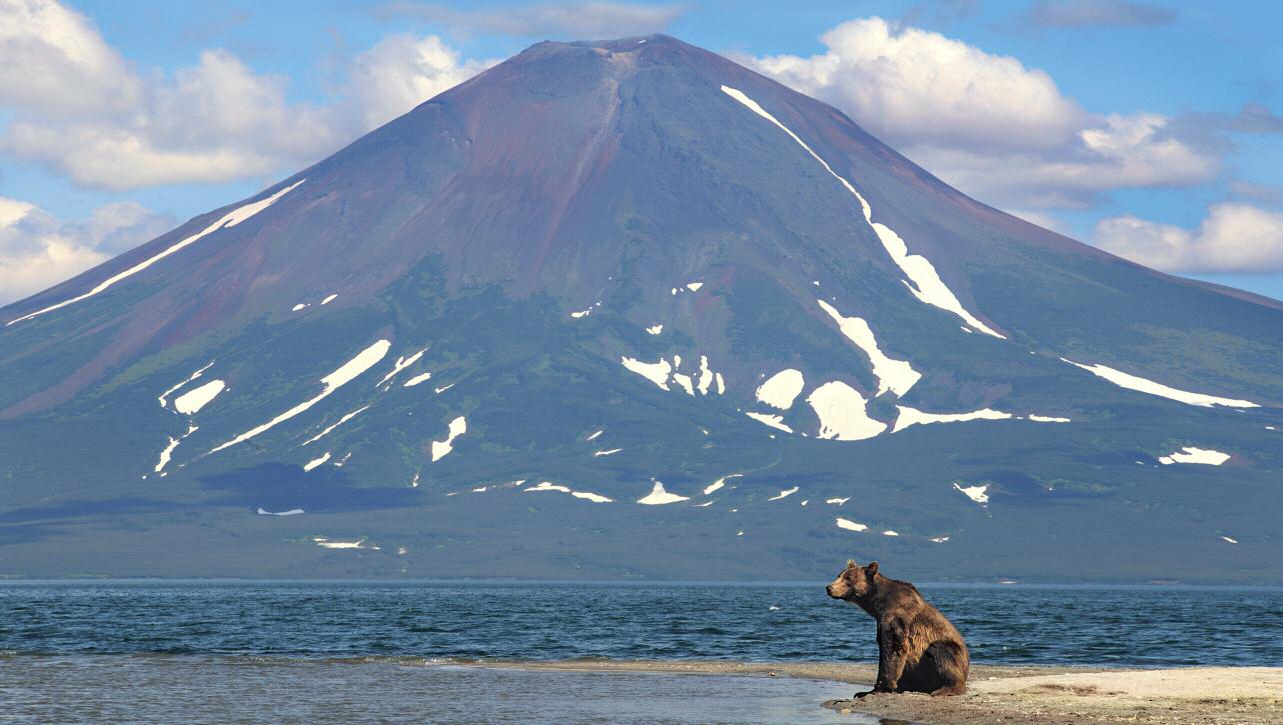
918 649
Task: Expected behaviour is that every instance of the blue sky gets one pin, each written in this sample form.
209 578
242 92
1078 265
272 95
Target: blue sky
1153 129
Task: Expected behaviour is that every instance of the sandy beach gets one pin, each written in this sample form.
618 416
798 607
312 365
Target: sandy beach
1044 695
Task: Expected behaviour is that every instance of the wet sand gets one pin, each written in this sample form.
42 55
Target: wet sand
1043 695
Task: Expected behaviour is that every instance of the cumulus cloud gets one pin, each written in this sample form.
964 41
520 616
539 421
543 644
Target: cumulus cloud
1233 238
401 71
986 123
1098 13
38 250
95 120
574 21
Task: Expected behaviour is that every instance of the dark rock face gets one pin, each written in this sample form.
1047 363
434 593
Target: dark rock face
640 238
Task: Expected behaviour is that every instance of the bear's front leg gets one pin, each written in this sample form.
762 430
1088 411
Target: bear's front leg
893 653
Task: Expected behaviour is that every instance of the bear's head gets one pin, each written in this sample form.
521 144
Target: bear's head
854 583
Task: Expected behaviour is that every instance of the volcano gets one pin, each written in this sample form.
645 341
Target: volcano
627 309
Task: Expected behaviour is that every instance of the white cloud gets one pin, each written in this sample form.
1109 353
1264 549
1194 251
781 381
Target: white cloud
574 21
401 71
985 123
52 61
95 120
1234 237
38 251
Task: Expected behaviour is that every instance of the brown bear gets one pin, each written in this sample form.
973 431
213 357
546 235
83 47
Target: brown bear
918 649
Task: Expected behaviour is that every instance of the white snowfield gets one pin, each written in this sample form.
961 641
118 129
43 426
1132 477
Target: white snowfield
458 427
926 283
663 372
316 462
1048 419
898 376
363 361
401 364
842 413
298 307
911 416
784 494
1187 454
420 378
837 501
336 424
163 396
1135 382
719 483
774 421
658 496
975 493
850 525
358 544
292 512
782 388
165 454
694 286
329 298
192 401
586 495
230 219
656 372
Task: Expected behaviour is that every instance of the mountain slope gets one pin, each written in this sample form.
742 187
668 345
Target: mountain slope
710 325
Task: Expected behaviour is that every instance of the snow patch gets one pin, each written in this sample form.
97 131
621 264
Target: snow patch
655 329
837 501
685 382
401 364
192 401
715 485
586 495
581 313
975 493
315 462
705 375
783 494
594 434
1188 454
1232 541
721 384
694 286
850 525
165 454
336 424
193 376
329 299
939 539
458 427
775 421
297 307
782 388
658 496
420 378
898 376
443 388
911 416
926 283
610 452
363 361
656 372
1048 419
358 544
292 512
1135 382
842 413
889 532
230 219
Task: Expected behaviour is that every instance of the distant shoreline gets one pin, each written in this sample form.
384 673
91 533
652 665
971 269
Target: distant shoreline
8 579
1045 695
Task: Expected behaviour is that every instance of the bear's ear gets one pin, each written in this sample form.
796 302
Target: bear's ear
850 563
871 569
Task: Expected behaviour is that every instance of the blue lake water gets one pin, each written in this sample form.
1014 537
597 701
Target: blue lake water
156 651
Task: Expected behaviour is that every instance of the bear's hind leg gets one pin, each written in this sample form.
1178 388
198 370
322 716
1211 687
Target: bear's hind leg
950 668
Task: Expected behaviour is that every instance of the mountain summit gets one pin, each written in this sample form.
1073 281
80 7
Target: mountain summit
628 309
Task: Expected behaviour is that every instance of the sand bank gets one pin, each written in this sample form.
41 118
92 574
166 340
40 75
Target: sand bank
1043 695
